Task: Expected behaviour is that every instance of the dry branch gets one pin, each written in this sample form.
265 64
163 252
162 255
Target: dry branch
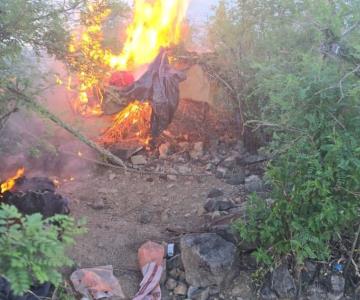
46 113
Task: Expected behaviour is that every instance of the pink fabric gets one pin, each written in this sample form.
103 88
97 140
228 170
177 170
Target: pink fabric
149 286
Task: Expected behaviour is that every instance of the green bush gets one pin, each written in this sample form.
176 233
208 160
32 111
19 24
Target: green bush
32 250
303 73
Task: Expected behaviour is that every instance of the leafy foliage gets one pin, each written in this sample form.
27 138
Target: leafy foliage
32 249
299 62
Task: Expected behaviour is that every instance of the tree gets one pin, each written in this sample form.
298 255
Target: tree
27 29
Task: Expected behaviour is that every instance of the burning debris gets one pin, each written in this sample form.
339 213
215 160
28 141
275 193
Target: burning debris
151 100
33 195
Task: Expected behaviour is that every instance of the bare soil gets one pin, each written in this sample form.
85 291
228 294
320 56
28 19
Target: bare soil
125 210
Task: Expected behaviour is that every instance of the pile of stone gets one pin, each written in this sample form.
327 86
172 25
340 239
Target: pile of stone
206 269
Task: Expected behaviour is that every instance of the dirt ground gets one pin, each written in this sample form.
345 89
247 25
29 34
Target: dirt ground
125 210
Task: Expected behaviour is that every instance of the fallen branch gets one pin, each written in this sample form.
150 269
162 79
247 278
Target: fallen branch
46 113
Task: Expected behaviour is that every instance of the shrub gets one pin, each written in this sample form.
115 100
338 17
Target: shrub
33 249
304 68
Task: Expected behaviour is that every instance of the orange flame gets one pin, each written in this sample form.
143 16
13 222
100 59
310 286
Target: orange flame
156 24
10 183
133 122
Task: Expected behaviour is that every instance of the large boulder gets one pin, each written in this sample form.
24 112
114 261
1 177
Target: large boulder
208 259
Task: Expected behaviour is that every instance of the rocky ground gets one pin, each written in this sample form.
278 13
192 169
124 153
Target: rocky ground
187 191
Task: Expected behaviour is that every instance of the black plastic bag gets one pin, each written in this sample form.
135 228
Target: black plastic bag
37 292
160 86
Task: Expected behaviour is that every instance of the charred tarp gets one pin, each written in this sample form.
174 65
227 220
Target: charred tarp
160 86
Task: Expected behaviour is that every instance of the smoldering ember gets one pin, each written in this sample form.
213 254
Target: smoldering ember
179 149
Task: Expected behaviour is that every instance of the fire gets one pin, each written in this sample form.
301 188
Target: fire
131 123
156 24
10 183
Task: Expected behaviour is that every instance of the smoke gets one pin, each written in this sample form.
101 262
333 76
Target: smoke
42 147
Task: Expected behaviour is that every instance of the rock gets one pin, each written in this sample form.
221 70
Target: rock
209 167
254 184
283 283
222 172
145 217
241 287
175 262
164 150
214 193
316 292
267 294
198 293
229 163
198 150
309 273
98 204
227 232
112 176
337 286
218 205
171 177
184 169
138 160
181 289
208 259
184 145
165 216
236 179
171 284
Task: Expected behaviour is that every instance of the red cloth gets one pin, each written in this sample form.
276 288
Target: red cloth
121 79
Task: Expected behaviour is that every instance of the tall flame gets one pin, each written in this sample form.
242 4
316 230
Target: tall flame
156 24
10 183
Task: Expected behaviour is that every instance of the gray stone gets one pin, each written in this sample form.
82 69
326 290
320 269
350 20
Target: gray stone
171 284
241 286
222 172
198 293
171 177
227 232
337 286
175 262
98 204
267 294
138 160
112 176
230 162
164 150
181 289
208 259
198 150
218 205
237 178
283 283
145 217
316 292
254 184
184 169
214 193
